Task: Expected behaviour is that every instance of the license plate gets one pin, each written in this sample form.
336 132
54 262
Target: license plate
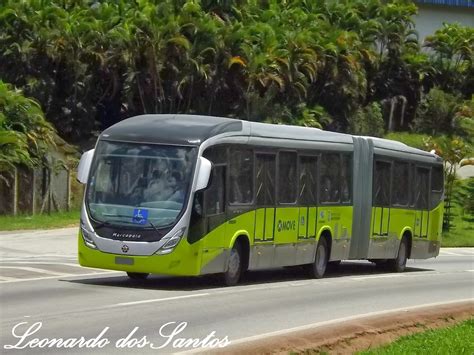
123 261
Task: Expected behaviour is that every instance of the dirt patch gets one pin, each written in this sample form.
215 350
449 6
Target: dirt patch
358 334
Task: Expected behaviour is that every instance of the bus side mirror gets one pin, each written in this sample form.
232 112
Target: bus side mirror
204 173
85 166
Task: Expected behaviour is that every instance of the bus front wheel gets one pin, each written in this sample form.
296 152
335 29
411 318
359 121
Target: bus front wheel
234 267
399 263
318 268
137 275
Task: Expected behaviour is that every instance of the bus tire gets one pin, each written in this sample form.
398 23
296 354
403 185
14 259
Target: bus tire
234 267
399 263
318 268
137 275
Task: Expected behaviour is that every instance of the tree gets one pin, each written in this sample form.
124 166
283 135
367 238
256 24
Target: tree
25 135
452 57
453 150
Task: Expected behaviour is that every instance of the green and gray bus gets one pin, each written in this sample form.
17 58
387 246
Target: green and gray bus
195 195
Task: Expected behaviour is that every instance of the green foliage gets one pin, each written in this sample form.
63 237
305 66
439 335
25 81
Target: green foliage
464 120
453 58
315 117
453 150
463 195
91 64
412 139
25 135
457 339
368 121
436 113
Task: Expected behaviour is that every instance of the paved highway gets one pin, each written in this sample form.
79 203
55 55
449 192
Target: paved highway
41 282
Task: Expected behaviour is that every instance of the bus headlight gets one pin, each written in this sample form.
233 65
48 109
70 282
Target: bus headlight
172 242
87 237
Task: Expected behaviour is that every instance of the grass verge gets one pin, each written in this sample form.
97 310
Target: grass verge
461 233
43 221
457 339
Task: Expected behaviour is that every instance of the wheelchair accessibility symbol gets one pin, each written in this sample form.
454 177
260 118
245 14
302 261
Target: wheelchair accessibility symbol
140 216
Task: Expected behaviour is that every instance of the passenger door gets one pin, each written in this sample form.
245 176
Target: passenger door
308 175
381 209
265 213
422 183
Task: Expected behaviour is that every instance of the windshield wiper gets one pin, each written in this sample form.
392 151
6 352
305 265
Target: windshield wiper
156 229
128 222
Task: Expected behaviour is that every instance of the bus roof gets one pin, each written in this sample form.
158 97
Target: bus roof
177 129
195 129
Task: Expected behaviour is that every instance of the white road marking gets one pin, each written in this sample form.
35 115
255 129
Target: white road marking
65 275
68 256
34 269
157 300
328 322
448 253
42 263
357 278
6 278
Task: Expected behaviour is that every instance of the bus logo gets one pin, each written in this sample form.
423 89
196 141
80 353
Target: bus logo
125 248
286 225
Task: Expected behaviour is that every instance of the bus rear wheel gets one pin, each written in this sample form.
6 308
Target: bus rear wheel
399 263
137 275
318 268
234 267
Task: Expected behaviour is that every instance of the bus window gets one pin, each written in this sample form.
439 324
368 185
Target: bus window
308 178
265 180
346 178
216 154
215 194
381 193
287 184
400 195
241 176
422 181
437 176
329 178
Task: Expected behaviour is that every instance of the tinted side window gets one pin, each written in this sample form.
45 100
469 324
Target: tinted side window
241 176
422 181
437 185
287 183
401 184
215 194
308 180
346 178
381 191
265 179
329 178
216 154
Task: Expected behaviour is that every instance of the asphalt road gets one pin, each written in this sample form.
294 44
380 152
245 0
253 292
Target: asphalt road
40 281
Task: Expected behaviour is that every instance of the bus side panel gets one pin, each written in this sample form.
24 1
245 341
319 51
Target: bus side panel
184 260
424 248
215 260
379 232
401 219
339 219
286 236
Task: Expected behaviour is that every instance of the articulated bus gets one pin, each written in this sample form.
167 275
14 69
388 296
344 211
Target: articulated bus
195 195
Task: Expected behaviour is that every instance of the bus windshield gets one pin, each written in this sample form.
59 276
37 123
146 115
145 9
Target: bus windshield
139 184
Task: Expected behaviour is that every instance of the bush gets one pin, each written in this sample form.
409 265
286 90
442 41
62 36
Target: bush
368 121
436 113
